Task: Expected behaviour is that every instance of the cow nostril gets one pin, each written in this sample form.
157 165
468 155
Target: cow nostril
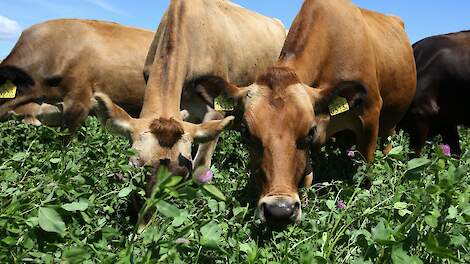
262 207
165 162
183 161
297 206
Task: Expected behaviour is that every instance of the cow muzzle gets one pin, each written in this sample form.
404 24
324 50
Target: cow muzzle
279 211
182 167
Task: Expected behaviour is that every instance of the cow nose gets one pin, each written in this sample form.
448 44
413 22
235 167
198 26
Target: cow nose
280 212
136 162
175 168
185 162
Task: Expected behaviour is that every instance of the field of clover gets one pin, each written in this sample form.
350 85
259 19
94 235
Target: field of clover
71 206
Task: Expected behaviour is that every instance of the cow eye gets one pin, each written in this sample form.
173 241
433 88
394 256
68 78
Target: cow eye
308 140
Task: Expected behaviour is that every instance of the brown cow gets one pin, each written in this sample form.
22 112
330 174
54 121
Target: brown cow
67 60
334 49
196 41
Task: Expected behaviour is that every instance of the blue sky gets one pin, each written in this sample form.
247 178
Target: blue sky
422 17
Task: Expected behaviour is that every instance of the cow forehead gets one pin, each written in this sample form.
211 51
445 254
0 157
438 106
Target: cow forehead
159 138
149 147
289 113
168 131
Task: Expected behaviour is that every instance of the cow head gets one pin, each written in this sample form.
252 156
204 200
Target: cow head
11 76
158 141
281 118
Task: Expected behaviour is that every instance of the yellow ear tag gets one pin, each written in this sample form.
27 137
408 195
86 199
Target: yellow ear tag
338 106
223 104
7 90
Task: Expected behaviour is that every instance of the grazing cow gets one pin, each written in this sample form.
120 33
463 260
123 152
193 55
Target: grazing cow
442 92
341 68
196 41
68 60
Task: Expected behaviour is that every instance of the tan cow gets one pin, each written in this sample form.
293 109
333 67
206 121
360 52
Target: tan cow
335 52
67 60
196 41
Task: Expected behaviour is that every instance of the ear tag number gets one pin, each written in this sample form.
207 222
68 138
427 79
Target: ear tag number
8 90
338 106
223 104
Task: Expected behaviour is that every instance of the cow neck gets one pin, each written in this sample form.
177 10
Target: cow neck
307 47
306 74
170 68
163 93
306 65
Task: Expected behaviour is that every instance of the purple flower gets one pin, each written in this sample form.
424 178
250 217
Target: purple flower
203 176
351 154
341 204
445 149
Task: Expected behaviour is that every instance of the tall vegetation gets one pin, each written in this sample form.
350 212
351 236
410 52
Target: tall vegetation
71 205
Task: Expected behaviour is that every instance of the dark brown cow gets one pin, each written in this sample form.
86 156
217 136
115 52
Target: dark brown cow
68 60
196 41
442 92
334 49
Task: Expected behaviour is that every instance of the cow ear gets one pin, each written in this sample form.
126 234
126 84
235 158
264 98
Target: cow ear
211 87
235 92
114 117
353 92
207 131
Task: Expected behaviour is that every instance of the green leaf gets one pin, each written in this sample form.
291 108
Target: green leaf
400 205
211 235
9 241
179 220
55 160
50 220
453 212
399 256
125 192
458 240
433 189
188 193
81 205
175 180
167 209
32 221
20 156
382 234
76 255
404 212
251 250
331 204
396 151
460 173
86 218
433 247
431 220
214 191
417 165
